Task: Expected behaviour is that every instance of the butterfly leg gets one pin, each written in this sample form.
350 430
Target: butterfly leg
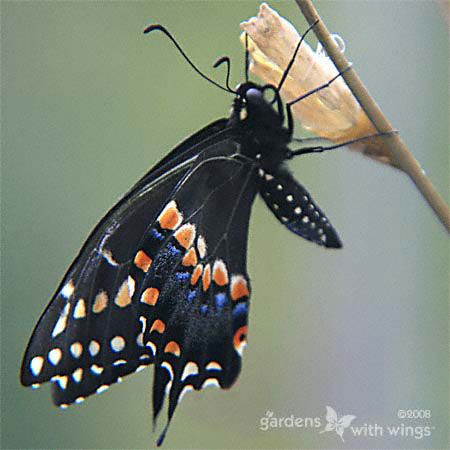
322 148
307 94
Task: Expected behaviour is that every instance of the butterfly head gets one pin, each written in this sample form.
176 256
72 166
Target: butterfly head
257 104
258 111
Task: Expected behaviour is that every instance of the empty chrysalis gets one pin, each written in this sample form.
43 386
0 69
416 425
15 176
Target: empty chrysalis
332 113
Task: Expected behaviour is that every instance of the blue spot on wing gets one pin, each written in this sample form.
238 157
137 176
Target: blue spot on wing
173 250
240 309
182 276
203 309
191 296
220 300
156 234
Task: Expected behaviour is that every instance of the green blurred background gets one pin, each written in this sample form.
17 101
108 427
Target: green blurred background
89 104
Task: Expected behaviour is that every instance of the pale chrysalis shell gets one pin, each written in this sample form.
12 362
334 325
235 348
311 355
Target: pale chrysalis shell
332 113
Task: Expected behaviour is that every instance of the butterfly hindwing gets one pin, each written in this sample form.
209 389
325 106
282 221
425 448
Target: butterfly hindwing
194 289
293 206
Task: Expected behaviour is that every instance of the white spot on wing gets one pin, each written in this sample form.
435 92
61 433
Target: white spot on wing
61 380
117 343
191 368
61 323
151 346
210 382
168 388
68 289
94 348
76 349
77 375
36 365
102 388
201 246
97 370
143 321
185 390
131 285
119 362
54 356
169 369
109 257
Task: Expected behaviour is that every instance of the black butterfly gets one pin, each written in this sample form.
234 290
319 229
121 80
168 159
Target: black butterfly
162 278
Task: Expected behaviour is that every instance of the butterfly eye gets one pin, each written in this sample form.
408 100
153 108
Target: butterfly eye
270 94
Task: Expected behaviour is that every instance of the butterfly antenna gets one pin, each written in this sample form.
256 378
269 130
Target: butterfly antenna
158 27
247 58
291 62
226 60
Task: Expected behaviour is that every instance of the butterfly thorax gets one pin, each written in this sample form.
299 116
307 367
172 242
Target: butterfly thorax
257 116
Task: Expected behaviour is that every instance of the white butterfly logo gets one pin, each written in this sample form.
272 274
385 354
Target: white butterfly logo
335 423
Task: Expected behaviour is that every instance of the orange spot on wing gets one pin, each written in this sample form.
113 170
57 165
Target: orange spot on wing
123 296
150 296
100 303
196 274
159 326
170 218
142 261
240 336
172 347
186 235
239 287
190 258
213 365
220 273
206 277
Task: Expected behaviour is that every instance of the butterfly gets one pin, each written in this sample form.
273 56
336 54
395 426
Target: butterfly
162 279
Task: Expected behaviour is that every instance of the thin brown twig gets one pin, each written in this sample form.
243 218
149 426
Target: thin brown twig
399 151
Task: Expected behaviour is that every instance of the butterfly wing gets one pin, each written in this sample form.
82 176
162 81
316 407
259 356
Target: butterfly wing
194 295
161 280
293 206
102 262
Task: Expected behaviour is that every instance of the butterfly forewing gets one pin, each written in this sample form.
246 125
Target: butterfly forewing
162 279
80 311
74 337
